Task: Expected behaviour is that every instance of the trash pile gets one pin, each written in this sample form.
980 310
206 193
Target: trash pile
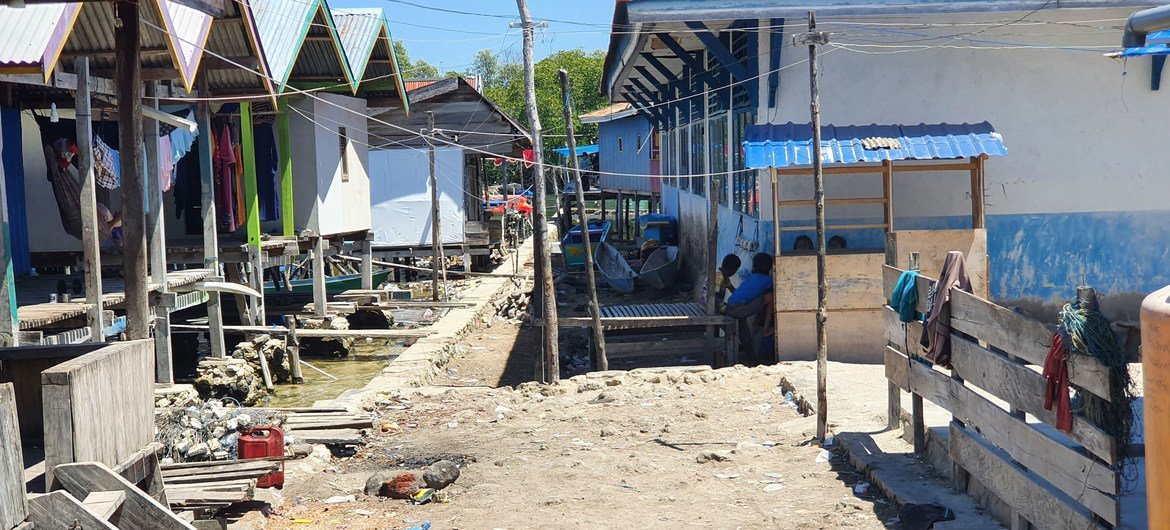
208 431
417 487
240 377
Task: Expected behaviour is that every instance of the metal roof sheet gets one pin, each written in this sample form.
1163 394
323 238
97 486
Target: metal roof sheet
679 10
359 30
1156 44
790 144
281 27
187 31
34 35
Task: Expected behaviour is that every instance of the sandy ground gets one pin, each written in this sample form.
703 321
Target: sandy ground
585 454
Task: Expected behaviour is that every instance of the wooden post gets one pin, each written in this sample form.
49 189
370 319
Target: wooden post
90 241
551 365
252 209
9 321
590 279
617 215
284 163
155 224
129 73
603 206
210 236
888 194
977 201
775 180
813 39
293 346
438 265
319 276
367 245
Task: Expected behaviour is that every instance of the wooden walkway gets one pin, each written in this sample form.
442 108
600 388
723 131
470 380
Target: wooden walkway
653 310
42 314
638 331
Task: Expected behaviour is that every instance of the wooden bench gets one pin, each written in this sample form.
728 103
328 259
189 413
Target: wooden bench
629 325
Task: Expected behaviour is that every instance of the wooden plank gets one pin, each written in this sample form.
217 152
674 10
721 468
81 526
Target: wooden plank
138 466
1023 337
61 510
58 421
332 436
1022 387
13 505
103 504
138 511
905 337
656 347
645 322
890 277
1037 504
854 280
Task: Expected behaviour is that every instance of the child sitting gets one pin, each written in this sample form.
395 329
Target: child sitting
753 297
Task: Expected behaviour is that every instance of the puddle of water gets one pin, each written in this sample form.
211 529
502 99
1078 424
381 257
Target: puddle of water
364 363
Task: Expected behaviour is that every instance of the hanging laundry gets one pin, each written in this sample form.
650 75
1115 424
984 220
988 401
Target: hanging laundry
937 328
225 171
166 164
266 163
182 140
241 208
905 296
105 164
1056 386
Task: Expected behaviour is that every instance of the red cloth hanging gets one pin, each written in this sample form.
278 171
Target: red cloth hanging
529 158
497 162
1056 389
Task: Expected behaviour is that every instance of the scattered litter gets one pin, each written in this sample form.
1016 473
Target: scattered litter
389 427
340 499
452 424
302 521
773 488
829 441
503 410
425 526
727 477
823 456
580 442
765 407
623 484
366 513
773 475
423 496
768 443
647 404
861 488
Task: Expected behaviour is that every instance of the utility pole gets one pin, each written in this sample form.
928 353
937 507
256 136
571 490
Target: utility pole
437 261
550 371
91 243
590 279
813 39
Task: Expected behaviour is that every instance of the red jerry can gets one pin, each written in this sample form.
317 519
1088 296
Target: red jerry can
264 442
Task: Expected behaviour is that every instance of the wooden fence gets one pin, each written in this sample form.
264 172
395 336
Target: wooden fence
1000 432
13 506
99 407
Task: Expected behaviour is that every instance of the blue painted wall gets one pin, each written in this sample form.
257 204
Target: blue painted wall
629 160
12 157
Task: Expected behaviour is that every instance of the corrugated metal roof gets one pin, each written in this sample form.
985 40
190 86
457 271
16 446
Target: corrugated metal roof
1156 44
359 30
415 84
612 112
236 38
187 31
281 27
791 144
34 35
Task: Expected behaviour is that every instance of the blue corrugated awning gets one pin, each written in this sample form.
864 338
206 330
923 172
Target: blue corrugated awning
790 144
1157 43
582 150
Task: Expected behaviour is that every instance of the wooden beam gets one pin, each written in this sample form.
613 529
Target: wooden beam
59 509
210 232
156 231
13 505
977 199
888 194
716 47
91 244
680 52
133 201
284 149
855 200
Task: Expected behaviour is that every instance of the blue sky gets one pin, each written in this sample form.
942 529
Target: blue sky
451 40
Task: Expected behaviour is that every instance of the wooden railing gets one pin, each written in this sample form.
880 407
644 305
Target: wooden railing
1000 432
99 407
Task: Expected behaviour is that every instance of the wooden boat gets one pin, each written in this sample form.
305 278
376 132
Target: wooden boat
617 273
660 269
573 247
333 284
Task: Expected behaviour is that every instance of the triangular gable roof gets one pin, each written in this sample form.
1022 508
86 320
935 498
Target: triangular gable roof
363 32
35 36
282 27
187 32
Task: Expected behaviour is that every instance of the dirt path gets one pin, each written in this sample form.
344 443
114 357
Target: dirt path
615 450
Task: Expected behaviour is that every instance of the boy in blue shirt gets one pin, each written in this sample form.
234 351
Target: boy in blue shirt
754 296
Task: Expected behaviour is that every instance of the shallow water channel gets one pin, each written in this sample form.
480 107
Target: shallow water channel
364 363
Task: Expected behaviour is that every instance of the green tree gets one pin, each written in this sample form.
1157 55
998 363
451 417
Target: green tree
411 69
486 67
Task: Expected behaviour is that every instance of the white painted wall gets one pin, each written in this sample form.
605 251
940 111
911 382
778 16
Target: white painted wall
323 203
1083 132
400 196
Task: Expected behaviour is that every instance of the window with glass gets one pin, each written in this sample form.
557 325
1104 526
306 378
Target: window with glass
717 141
684 158
698 149
745 184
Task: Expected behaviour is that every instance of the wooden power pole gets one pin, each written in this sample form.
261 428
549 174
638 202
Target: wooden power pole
814 39
438 268
91 244
129 73
590 279
551 371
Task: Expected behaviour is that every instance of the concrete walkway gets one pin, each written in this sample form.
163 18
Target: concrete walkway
422 361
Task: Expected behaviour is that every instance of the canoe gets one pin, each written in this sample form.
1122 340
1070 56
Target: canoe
333 284
573 246
660 268
614 269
